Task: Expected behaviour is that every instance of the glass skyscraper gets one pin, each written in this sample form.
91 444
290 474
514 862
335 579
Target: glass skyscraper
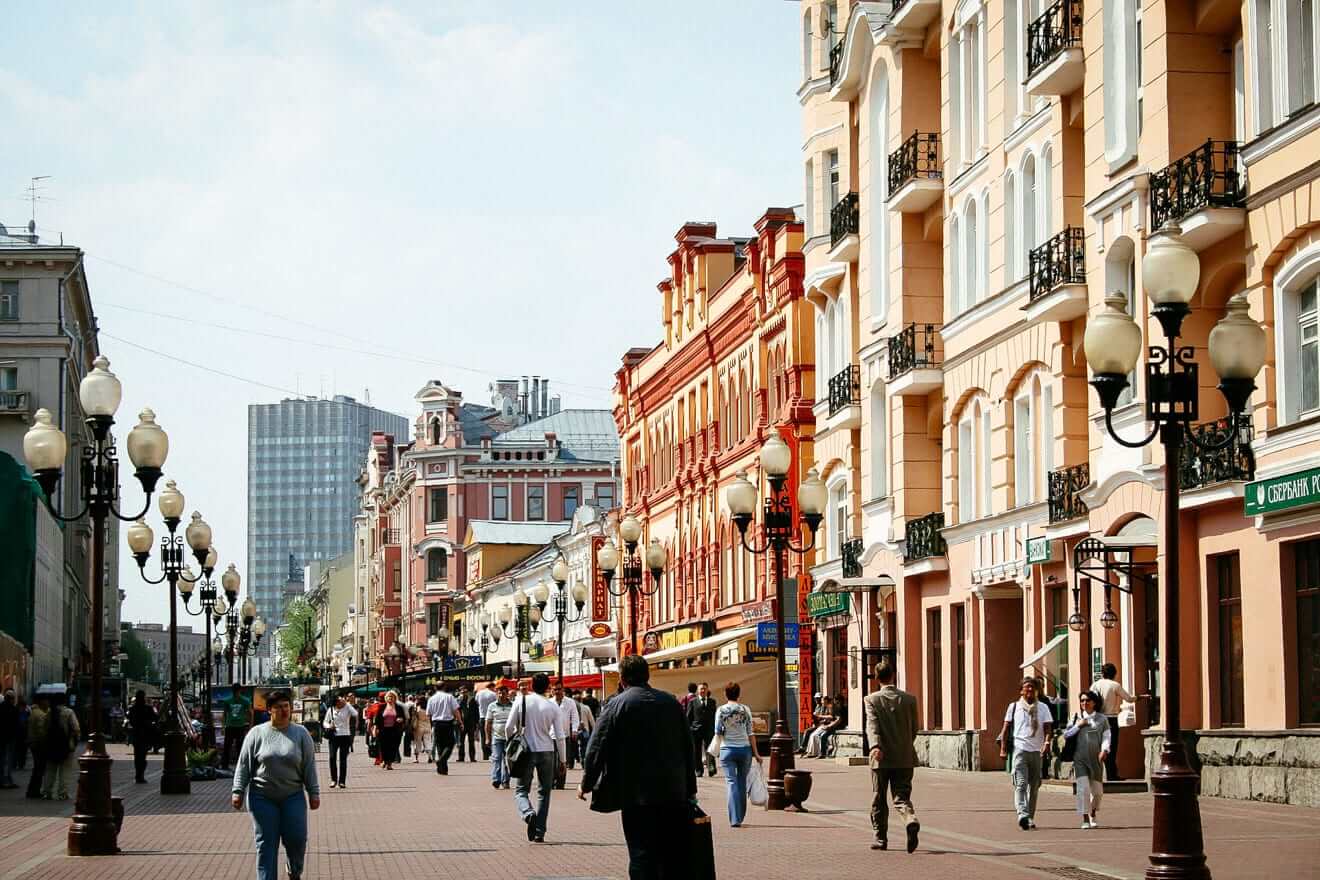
304 457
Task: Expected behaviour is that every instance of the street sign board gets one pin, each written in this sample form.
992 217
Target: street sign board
1038 550
767 635
1282 493
825 604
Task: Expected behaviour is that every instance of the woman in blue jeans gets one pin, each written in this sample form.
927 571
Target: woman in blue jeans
733 722
276 764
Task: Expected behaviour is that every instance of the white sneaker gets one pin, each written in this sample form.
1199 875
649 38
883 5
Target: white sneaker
1031 823
1095 823
1086 823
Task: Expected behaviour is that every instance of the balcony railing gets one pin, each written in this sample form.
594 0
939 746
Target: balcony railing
922 538
1200 468
1066 485
843 219
1059 261
919 156
1059 28
845 388
14 401
1207 177
851 553
391 536
836 62
912 348
895 7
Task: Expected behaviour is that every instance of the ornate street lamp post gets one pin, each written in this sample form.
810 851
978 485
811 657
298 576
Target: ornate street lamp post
779 529
629 569
522 618
174 778
1170 274
248 638
560 613
92 831
437 646
482 640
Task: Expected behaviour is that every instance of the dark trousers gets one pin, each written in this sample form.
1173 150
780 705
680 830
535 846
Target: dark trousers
339 747
140 750
655 836
1111 760
442 743
407 744
702 758
485 742
898 782
571 751
233 743
467 743
38 771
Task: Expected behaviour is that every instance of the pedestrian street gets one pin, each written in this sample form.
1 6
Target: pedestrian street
413 823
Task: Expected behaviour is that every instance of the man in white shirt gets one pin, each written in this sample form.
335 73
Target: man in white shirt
1028 723
485 697
539 720
338 727
570 723
443 710
1112 697
497 716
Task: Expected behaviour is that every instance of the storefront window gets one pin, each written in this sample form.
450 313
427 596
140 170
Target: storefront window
1229 584
1306 559
935 671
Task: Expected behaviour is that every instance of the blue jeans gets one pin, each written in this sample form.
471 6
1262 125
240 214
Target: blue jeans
736 762
499 771
275 821
542 766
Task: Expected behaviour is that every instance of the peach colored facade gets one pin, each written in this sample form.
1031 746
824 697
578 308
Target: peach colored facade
978 176
735 364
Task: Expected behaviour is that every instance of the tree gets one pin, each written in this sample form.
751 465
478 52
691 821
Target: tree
298 634
139 666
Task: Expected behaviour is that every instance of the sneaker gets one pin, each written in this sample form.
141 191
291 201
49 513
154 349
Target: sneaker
912 830
334 785
1095 823
1086 823
531 827
1024 823
879 843
1031 823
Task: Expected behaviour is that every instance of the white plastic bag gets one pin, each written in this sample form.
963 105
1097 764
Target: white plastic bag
716 743
756 790
1127 715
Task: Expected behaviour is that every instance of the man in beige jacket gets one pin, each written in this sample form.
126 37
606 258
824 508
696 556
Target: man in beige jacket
891 725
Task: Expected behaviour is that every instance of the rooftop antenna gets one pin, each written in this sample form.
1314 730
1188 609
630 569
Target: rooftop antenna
33 196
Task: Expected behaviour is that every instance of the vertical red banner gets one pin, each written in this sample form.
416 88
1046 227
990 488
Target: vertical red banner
600 594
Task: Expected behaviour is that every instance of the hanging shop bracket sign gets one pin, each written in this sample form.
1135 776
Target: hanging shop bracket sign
825 604
1039 550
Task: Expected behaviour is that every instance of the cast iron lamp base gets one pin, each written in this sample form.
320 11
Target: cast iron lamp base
174 778
781 759
1178 849
93 831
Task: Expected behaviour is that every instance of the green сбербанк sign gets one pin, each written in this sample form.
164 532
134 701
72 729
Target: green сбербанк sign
1282 493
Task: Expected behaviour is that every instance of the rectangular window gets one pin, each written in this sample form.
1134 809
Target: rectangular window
1056 601
8 300
934 672
499 502
8 378
604 496
536 502
432 620
1228 580
840 521
1306 563
437 510
959 664
983 468
808 213
570 502
832 178
1309 333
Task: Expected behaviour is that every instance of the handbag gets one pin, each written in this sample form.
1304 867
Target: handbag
757 792
1069 749
716 743
515 748
701 845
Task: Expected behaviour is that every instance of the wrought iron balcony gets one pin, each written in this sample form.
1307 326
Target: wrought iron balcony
917 158
1066 485
836 62
1199 468
912 348
1207 177
391 536
845 389
922 538
843 219
14 402
851 553
1059 28
895 8
1059 261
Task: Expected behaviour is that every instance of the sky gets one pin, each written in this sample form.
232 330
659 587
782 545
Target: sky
355 198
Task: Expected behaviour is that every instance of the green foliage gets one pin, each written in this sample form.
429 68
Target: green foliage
139 666
297 632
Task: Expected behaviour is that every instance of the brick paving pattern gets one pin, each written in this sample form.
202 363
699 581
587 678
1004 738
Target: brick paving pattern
413 823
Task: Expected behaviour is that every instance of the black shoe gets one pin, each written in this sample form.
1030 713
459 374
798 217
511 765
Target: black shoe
539 838
879 843
1024 823
531 827
912 830
438 771
494 785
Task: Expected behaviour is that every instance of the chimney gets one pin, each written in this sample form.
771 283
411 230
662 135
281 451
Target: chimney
545 397
555 405
534 410
522 399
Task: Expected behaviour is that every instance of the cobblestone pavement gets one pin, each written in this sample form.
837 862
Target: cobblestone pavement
411 823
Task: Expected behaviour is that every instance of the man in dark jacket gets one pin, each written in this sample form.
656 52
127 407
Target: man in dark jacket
144 720
891 725
640 761
701 724
470 734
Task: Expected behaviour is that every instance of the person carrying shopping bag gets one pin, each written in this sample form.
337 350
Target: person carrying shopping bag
1088 739
733 724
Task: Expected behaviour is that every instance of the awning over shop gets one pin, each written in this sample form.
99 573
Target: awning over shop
692 649
1048 657
1045 651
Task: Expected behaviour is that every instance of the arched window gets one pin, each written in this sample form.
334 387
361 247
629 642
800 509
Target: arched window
973 476
1297 347
879 441
967 80
1033 438
956 282
879 192
435 432
1027 212
437 564
983 247
822 355
1045 219
971 242
1012 260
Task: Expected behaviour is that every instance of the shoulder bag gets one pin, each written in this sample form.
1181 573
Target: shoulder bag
1069 749
515 747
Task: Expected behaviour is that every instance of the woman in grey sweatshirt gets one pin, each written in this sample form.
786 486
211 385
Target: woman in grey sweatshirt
276 764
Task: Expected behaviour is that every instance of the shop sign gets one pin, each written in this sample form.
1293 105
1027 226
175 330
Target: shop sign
599 630
1038 550
767 635
650 643
1283 493
550 648
823 604
462 661
600 593
791 658
759 611
680 636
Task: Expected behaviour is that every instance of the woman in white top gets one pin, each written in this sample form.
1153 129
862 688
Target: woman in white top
1089 731
733 722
